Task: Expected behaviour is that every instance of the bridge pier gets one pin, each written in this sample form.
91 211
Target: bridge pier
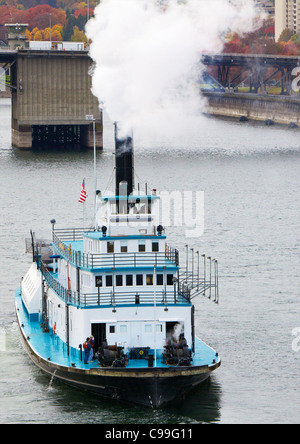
88 136
21 135
27 137
51 100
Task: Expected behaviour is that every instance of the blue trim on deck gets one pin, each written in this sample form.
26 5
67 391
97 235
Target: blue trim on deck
130 198
96 235
51 347
78 246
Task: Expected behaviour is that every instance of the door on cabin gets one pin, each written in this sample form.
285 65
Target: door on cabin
99 333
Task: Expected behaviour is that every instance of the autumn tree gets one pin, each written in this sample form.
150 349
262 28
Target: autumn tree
69 27
40 16
286 35
78 36
84 12
295 39
38 36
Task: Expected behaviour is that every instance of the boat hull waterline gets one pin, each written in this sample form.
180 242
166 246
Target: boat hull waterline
151 387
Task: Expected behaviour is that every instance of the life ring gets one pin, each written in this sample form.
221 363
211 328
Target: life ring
141 352
54 328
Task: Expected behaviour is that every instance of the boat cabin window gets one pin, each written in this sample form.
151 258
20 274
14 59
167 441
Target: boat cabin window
170 279
155 247
160 279
124 247
119 280
129 280
98 281
149 279
110 247
109 281
142 247
139 279
112 329
148 328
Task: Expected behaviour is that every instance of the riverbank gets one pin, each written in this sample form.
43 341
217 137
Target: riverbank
267 108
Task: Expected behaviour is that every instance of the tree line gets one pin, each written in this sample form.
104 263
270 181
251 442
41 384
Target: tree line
66 20
62 19
262 41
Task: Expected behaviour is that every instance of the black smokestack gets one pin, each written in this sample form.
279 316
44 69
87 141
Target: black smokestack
124 163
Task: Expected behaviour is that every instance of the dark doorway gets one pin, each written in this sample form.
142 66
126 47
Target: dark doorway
99 333
174 329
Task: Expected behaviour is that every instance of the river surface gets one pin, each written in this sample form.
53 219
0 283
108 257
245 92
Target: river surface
250 175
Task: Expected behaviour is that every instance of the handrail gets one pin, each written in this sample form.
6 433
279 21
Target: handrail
71 234
112 298
113 260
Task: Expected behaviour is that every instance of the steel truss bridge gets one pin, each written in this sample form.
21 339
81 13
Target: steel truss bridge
256 74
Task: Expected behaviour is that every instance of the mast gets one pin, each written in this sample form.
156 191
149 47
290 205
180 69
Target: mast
124 164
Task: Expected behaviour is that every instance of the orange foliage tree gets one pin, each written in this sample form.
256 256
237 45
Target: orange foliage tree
42 15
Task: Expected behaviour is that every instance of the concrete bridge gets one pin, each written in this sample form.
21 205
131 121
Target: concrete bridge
51 98
51 93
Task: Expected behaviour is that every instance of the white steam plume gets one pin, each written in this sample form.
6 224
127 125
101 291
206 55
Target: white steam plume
147 53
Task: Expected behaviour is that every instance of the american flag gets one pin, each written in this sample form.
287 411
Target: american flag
83 194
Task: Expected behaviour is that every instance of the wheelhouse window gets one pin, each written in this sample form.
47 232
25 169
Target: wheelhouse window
119 280
155 247
109 281
170 279
142 247
139 279
98 281
129 280
110 247
149 279
160 279
124 248
112 329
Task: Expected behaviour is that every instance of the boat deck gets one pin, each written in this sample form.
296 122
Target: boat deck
50 347
73 251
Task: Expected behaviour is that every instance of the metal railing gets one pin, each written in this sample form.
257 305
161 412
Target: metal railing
113 298
113 260
71 234
66 295
131 298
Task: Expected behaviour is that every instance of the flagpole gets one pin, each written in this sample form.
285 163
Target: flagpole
155 320
82 199
83 209
91 117
95 170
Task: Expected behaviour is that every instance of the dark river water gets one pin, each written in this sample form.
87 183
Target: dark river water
250 175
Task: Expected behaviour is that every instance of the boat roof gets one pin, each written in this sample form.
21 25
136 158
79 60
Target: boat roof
131 198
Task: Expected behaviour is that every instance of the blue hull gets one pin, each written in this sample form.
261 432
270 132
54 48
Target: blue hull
135 383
